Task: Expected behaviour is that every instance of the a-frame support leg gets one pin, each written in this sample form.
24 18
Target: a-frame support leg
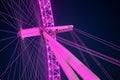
62 53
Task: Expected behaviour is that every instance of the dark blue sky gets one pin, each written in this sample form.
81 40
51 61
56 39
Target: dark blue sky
100 18
97 17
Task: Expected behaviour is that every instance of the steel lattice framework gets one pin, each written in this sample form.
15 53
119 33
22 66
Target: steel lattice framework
48 21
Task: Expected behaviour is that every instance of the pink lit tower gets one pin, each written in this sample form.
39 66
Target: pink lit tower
56 53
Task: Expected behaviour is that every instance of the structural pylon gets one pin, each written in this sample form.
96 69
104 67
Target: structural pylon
55 56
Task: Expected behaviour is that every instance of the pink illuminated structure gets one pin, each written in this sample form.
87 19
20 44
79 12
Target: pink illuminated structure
36 54
67 61
48 21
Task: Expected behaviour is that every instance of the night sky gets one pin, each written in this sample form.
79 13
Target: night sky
97 17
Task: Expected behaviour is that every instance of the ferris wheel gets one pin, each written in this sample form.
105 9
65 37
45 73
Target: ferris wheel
30 36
